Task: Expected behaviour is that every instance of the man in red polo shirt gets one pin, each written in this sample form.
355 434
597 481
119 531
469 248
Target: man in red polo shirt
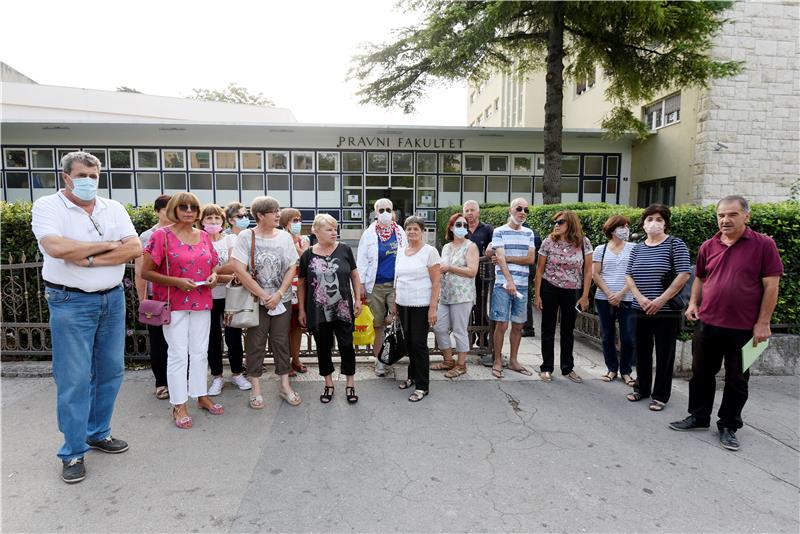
733 297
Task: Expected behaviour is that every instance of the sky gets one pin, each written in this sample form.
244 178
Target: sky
297 53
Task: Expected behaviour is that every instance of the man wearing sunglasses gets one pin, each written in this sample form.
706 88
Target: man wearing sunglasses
86 241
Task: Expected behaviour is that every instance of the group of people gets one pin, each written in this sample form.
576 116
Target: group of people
316 283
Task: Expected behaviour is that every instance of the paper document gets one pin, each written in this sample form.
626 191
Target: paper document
277 310
750 353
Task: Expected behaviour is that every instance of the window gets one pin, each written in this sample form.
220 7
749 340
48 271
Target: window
522 164
174 159
584 83
569 185
120 159
122 188
15 158
328 161
378 181
61 152
404 182
328 191
199 160
278 188
225 160
426 162
612 165
473 189
426 191
449 191
450 163
17 184
497 189
174 182
473 163
100 154
352 162
200 182
498 163
252 185
521 187
44 183
672 109
377 162
593 165
227 189
653 116
592 187
657 191
303 161
147 159
402 162
148 186
664 112
42 158
303 191
251 160
571 165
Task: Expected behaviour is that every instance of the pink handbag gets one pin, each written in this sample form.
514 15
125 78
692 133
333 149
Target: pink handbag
156 312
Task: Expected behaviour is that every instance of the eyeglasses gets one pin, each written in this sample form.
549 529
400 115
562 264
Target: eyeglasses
520 208
460 225
96 226
384 210
189 207
560 222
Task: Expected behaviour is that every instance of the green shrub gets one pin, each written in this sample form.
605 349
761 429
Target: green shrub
693 224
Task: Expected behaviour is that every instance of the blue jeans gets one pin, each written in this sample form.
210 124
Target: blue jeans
507 308
609 315
88 333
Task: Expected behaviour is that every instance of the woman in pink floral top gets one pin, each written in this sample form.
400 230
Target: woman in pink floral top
187 284
564 269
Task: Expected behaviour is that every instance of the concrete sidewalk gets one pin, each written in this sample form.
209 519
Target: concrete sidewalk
478 454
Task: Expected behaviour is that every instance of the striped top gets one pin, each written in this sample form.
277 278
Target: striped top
515 243
613 269
648 264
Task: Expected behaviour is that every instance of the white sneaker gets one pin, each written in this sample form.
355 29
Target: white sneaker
216 386
243 383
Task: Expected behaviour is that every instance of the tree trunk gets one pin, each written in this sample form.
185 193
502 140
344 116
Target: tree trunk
553 104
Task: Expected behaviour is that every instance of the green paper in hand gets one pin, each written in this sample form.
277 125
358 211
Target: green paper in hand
750 353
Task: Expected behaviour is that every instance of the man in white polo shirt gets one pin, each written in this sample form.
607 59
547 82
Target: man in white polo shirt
86 241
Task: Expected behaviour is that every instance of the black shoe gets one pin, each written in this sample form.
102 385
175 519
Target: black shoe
690 423
111 445
73 470
528 332
727 438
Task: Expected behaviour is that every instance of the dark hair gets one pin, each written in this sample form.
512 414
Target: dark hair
614 222
656 209
161 202
448 236
574 234
736 198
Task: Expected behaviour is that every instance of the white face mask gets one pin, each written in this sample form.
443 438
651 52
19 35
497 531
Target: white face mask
385 217
654 227
622 233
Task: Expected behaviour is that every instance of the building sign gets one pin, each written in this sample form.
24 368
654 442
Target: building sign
422 143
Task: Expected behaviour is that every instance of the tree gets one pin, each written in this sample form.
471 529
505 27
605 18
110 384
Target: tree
643 48
126 89
234 94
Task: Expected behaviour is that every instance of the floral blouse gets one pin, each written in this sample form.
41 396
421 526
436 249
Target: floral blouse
564 265
456 288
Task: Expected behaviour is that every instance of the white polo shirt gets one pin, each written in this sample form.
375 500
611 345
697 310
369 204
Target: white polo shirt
56 215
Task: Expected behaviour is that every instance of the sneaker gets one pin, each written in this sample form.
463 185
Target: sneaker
727 438
243 383
528 332
216 386
73 470
487 360
690 423
380 369
111 445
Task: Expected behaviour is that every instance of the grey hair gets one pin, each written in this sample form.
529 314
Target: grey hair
232 210
81 157
263 205
414 220
477 206
736 198
383 201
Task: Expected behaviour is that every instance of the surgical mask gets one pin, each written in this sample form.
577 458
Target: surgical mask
296 228
212 228
243 223
84 188
622 233
385 218
460 232
654 227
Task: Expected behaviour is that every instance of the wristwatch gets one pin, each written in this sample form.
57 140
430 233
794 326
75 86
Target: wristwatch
90 259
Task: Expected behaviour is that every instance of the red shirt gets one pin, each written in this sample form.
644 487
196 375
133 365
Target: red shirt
732 278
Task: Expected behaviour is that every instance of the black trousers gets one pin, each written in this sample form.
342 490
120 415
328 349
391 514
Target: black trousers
415 327
710 347
480 316
158 354
660 329
528 326
323 335
555 299
233 338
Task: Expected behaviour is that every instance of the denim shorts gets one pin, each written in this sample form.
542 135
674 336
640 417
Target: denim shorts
506 307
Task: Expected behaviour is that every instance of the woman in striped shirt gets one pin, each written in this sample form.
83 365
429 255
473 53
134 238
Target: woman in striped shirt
655 319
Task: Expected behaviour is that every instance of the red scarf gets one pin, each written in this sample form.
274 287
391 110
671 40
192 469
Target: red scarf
385 233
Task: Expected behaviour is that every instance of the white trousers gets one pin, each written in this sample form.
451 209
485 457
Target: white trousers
187 338
453 318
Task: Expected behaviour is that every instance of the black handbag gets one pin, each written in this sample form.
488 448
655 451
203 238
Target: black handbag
394 344
681 299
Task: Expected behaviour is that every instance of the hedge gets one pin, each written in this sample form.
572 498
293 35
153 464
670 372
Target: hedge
693 224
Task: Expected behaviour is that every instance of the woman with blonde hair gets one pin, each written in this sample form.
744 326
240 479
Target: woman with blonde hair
327 283
564 269
292 223
176 259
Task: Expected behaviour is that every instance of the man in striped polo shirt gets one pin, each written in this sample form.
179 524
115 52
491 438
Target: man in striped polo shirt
515 248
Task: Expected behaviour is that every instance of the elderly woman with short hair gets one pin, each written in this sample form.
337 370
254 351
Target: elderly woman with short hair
326 305
377 253
271 281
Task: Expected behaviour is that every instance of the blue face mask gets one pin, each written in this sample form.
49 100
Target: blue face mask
460 232
297 228
243 223
84 188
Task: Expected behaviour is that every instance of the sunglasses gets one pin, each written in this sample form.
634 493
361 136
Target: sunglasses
560 222
384 210
520 208
460 225
189 207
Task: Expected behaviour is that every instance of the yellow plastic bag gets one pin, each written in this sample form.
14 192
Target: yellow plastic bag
364 333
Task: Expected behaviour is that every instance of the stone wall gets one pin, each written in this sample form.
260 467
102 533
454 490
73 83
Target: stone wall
755 114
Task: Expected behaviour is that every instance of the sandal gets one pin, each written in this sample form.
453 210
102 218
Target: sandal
350 393
162 392
497 373
445 365
292 398
300 368
575 377
456 371
256 402
184 422
521 370
656 406
214 409
634 397
417 396
327 395
407 383
609 376
629 381
545 376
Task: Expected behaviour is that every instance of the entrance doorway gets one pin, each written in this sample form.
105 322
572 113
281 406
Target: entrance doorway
402 201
